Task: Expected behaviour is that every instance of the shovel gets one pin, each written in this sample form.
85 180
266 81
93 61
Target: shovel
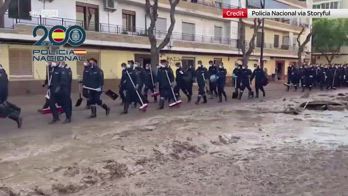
80 99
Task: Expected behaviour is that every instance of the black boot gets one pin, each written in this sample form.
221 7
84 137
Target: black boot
155 99
125 108
220 98
93 111
161 104
54 120
18 120
189 97
106 108
257 94
204 99
240 95
67 121
198 100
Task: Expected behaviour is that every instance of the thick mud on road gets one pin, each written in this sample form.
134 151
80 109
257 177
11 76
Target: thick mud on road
259 148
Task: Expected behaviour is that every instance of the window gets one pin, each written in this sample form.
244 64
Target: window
327 5
193 1
258 39
276 41
21 63
188 31
323 6
187 61
217 61
20 9
334 5
286 41
128 20
161 27
217 33
89 15
218 4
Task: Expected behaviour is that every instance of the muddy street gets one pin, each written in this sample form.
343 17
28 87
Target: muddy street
252 148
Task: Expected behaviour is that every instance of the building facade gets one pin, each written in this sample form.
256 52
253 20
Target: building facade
342 57
116 32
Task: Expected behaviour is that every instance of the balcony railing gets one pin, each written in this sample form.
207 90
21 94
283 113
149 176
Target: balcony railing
118 29
217 4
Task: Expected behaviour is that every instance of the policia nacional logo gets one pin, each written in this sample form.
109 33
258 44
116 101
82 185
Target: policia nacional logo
59 36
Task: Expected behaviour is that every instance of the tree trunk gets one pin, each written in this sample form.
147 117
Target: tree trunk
154 57
4 4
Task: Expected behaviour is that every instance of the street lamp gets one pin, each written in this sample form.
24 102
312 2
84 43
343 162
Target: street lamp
262 2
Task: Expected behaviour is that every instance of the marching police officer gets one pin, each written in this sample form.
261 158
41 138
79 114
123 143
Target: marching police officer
260 77
237 77
212 70
129 80
221 81
94 82
140 73
7 109
201 75
180 82
189 79
309 74
321 76
245 82
165 78
121 85
65 97
330 77
149 82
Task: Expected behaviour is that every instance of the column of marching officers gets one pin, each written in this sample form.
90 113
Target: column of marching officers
138 82
317 76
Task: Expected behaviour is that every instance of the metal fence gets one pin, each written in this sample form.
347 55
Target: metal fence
132 31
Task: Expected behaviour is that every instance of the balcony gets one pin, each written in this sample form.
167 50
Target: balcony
118 33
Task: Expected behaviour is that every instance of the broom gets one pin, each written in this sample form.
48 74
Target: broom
235 93
177 102
156 93
143 105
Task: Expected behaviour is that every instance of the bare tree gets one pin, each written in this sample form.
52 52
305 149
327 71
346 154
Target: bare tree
246 52
151 8
4 4
301 46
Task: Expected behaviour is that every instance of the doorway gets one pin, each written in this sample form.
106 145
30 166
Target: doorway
143 59
279 70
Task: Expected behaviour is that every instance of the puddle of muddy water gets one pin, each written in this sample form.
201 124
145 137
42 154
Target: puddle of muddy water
328 128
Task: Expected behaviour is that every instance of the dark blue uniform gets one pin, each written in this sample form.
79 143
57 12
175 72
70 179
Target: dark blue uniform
165 84
331 74
321 77
245 82
309 74
7 109
201 76
237 78
212 84
260 77
130 80
94 82
121 86
60 92
180 82
149 82
221 74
